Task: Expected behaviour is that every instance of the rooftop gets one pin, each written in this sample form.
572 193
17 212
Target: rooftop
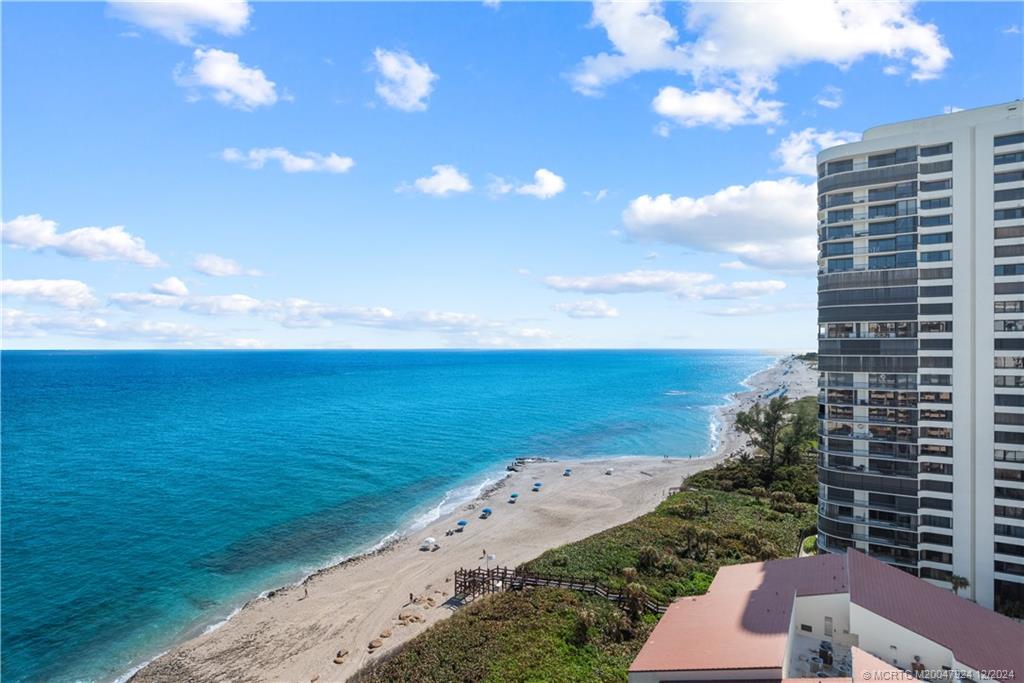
743 621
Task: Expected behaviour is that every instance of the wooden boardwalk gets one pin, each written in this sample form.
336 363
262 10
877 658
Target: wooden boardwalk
472 583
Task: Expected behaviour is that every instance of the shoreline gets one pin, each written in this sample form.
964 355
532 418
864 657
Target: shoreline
234 644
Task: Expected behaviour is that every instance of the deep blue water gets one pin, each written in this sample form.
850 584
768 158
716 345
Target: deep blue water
147 494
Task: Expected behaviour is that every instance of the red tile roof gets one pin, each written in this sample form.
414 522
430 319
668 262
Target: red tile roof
742 622
978 637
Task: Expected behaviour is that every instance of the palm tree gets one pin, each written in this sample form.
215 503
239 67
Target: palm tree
958 583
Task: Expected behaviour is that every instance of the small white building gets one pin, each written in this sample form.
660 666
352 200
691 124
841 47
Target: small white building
829 616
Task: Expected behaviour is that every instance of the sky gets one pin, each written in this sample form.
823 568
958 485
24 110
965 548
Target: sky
448 175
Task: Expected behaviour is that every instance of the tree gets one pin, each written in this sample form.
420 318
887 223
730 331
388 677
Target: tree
764 424
800 435
958 583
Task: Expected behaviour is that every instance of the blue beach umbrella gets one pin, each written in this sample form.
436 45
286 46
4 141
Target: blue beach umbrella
537 484
514 495
462 522
487 511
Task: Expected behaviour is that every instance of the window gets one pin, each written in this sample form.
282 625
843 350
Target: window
840 215
936 326
1009 232
937 167
1011 139
935 520
941 290
840 166
1011 158
1008 177
939 203
899 225
936 309
1007 195
899 191
936 361
838 249
1014 344
1005 455
1008 214
936 274
933 256
806 628
937 238
900 156
936 539
1009 325
936 150
936 380
1009 381
1009 250
936 185
1008 306
1009 269
932 221
838 265
907 259
899 243
1009 362
838 232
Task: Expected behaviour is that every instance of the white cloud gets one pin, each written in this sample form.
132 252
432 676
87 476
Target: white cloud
798 150
219 266
741 47
130 300
493 4
64 293
662 129
257 158
892 70
20 324
587 308
643 40
171 286
223 304
1012 29
719 107
545 185
735 290
684 285
733 265
35 233
769 223
404 83
231 82
446 180
180 20
598 196
830 97
950 109
631 282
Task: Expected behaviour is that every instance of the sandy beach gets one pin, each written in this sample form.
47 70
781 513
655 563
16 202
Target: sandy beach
295 633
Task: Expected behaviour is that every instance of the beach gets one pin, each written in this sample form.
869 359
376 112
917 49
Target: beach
295 633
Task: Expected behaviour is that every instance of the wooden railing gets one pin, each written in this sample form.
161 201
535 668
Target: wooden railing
472 583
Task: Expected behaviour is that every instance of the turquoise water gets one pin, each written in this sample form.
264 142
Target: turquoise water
147 494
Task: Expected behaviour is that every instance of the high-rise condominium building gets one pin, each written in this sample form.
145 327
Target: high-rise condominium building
921 349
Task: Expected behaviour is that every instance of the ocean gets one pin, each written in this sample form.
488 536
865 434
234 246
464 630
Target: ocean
147 495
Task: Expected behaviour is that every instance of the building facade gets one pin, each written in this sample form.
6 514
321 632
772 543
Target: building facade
921 349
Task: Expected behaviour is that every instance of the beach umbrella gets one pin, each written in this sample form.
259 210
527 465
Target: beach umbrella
537 483
429 540
486 511
514 495
462 522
